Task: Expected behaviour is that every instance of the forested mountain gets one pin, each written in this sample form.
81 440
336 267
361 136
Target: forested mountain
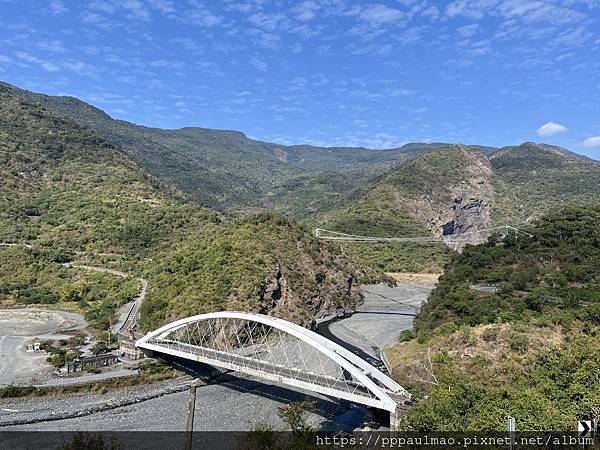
224 170
460 189
64 185
71 195
511 329
231 173
531 178
77 182
262 263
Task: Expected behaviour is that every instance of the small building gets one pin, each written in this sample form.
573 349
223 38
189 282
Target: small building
128 348
34 347
91 362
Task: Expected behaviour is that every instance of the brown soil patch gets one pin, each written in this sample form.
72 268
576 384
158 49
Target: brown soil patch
414 278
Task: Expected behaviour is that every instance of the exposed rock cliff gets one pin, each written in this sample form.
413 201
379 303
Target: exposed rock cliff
453 196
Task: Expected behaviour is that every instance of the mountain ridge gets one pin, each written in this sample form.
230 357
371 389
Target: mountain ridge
71 195
456 190
198 161
429 187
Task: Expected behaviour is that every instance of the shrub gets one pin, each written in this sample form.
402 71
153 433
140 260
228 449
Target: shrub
490 334
519 343
37 295
406 335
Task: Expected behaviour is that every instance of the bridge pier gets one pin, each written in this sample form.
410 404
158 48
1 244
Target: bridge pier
127 346
393 421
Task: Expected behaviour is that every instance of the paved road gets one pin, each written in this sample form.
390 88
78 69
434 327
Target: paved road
128 313
97 269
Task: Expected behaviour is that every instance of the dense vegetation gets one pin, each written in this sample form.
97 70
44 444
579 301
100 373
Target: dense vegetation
35 277
72 196
226 170
532 178
456 189
550 277
64 187
407 202
263 263
531 349
373 215
69 193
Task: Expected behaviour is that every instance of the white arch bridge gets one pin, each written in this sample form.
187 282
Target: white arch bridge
279 351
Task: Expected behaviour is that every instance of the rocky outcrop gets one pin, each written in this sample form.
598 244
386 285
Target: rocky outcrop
460 204
278 298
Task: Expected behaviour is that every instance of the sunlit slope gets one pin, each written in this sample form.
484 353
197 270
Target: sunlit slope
264 264
442 192
532 178
528 348
62 185
76 197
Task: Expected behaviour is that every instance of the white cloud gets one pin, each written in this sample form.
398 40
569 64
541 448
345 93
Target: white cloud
268 21
550 129
306 10
432 12
378 14
258 64
475 9
165 7
592 142
57 7
468 31
204 18
529 11
50 66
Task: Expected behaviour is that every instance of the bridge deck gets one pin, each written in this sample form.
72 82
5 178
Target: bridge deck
278 351
213 357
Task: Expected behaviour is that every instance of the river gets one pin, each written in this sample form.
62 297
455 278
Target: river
231 402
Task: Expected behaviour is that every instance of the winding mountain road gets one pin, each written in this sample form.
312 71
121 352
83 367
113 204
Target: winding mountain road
128 313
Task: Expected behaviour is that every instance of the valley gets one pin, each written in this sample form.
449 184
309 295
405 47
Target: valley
110 224
143 407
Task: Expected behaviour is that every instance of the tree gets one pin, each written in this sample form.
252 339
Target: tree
294 414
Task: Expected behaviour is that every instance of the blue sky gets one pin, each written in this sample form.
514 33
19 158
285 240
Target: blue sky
326 72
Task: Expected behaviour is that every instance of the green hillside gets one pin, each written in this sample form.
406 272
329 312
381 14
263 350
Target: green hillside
414 200
458 189
224 170
531 178
231 173
75 197
63 186
530 350
263 263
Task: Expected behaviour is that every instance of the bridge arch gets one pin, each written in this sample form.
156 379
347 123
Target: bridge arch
274 349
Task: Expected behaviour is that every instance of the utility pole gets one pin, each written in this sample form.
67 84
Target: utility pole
191 411
511 431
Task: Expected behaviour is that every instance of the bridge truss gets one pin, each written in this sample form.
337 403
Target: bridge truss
279 351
